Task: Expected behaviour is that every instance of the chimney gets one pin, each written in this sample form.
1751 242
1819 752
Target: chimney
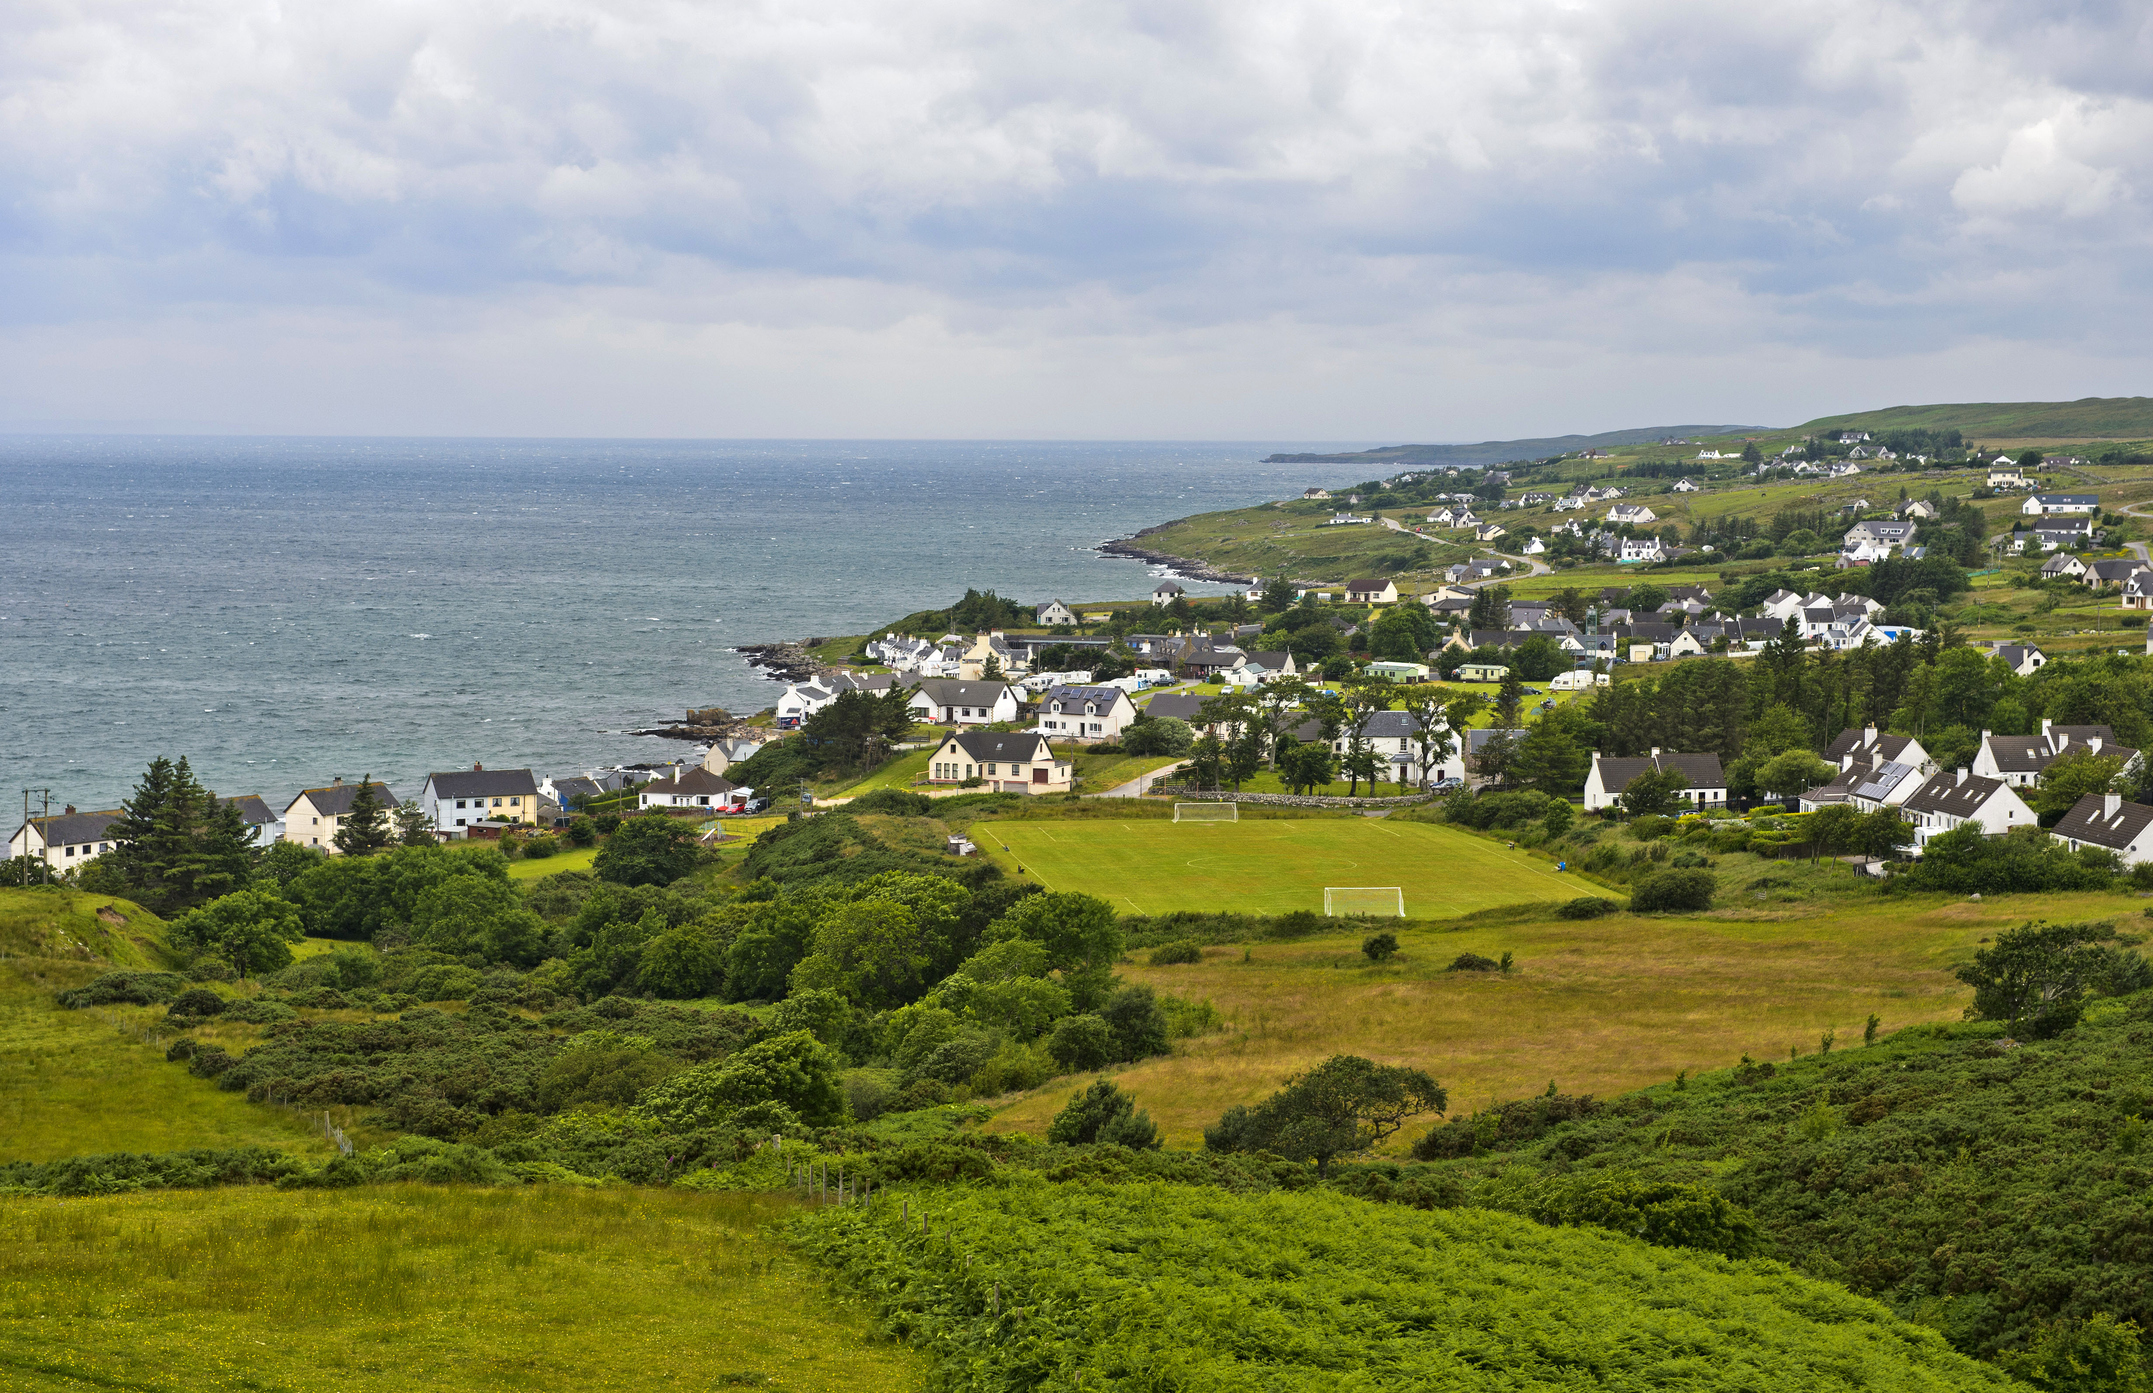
70 810
2093 743
2060 739
2044 727
1868 736
337 782
2110 802
1962 774
476 767
1655 752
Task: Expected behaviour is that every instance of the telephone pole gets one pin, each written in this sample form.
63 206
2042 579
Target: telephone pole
43 860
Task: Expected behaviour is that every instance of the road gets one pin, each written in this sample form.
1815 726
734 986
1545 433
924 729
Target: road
2138 549
1538 568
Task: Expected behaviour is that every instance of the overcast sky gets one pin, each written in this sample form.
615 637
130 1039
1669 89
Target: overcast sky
1236 219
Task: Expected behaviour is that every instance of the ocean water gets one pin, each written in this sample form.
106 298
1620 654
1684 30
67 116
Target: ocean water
284 612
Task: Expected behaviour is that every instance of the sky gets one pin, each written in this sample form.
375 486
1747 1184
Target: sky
1180 219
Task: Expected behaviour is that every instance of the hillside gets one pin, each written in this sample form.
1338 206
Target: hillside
2088 418
1496 451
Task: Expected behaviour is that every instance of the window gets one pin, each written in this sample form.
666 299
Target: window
71 851
518 802
497 802
460 803
463 821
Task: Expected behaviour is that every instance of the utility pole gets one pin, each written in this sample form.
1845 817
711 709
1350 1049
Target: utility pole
44 859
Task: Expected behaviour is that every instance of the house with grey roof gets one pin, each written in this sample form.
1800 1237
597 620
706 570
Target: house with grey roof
1054 612
694 788
1395 736
1002 761
1085 713
2022 658
2053 504
2102 574
1956 797
314 817
571 791
464 798
254 810
66 839
2110 822
2019 759
946 701
1609 776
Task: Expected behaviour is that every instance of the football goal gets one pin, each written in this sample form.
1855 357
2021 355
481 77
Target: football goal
1207 812
1346 901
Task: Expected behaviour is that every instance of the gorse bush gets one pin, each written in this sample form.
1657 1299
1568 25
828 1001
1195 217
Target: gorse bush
1185 950
1674 892
1106 1115
126 988
1587 907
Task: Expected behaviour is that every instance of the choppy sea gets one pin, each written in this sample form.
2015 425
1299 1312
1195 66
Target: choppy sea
287 611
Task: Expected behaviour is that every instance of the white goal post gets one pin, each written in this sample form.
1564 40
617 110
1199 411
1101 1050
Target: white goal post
1207 812
1346 901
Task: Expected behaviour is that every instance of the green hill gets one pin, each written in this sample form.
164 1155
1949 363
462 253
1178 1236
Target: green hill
1499 451
2088 418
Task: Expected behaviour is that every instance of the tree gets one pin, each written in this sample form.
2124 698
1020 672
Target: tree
873 951
253 930
225 855
684 963
648 849
1208 762
1278 708
1491 608
1833 829
1103 1114
412 828
1539 658
1343 1106
476 915
365 828
1432 743
1561 816
1277 596
1684 891
2039 974
1646 599
857 730
1079 932
1654 793
1509 699
1158 735
2072 776
155 837
1570 604
1081 1043
1304 768
1791 772
1751 455
285 862
793 1069
1380 948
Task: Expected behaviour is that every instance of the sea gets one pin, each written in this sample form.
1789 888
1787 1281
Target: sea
284 612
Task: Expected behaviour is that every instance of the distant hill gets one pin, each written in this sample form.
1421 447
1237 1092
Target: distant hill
2088 418
1501 451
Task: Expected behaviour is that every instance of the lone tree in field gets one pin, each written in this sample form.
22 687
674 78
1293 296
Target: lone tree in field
1342 1106
2039 974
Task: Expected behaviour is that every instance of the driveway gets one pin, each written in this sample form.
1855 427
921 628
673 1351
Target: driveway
1538 568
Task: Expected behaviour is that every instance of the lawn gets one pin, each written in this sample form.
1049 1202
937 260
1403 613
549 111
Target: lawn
1598 1006
901 772
423 1287
1270 867
573 859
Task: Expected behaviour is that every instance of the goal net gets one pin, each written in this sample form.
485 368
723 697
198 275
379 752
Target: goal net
1207 812
1346 901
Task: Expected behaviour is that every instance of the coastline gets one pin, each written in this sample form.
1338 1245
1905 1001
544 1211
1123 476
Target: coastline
1180 567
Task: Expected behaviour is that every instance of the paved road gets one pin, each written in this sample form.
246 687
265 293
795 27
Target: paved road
2138 549
1538 568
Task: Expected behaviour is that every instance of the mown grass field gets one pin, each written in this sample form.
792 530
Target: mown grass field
1271 867
422 1288
1599 1006
573 859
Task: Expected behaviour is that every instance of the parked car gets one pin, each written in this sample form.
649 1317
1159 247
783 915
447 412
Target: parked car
756 805
1446 785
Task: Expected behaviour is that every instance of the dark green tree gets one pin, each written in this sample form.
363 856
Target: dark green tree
1343 1106
1103 1114
2038 975
1654 793
412 828
1277 595
253 930
1491 608
365 828
157 838
225 855
648 849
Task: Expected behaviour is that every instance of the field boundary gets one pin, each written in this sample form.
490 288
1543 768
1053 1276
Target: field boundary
1296 800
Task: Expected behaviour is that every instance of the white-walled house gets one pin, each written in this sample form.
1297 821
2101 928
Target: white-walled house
1085 713
1635 514
943 701
693 788
1707 784
1003 761
1956 797
65 839
1371 592
2019 759
2052 504
1054 612
2110 822
466 797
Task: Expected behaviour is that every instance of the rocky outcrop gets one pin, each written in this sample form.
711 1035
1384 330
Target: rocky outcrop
1181 567
784 662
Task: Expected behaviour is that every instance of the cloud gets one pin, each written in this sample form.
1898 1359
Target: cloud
1159 200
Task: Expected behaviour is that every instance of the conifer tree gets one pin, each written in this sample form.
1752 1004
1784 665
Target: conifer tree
158 833
365 829
412 828
225 854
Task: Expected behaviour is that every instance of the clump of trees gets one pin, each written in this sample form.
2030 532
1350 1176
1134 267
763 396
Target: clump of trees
1343 1106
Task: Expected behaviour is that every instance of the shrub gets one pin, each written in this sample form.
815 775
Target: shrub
1668 1213
1081 1043
1380 948
793 1069
210 970
125 988
648 849
894 801
540 847
581 832
1472 962
1587 907
1650 827
1138 1023
869 1093
1103 1113
196 1001
1186 950
1673 891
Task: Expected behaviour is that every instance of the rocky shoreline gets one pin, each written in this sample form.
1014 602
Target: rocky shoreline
1180 567
785 662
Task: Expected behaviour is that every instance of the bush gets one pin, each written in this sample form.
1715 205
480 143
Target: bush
1650 827
1186 950
211 970
1161 736
1380 948
894 801
540 847
869 1093
125 989
1103 1113
648 849
581 832
1473 962
1673 891
1670 1214
1587 907
1081 1043
196 1001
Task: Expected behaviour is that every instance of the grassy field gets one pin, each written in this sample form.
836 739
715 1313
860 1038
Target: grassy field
410 1287
1271 867
572 859
1599 1006
76 1082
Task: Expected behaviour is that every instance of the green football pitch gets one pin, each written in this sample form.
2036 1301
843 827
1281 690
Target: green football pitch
1271 867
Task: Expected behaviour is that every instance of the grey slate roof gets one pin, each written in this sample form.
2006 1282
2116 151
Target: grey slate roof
254 810
335 800
1011 746
1851 741
1702 770
1952 796
1269 662
948 691
2030 754
692 782
2106 820
73 829
1885 779
572 789
1392 725
484 783
1181 706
